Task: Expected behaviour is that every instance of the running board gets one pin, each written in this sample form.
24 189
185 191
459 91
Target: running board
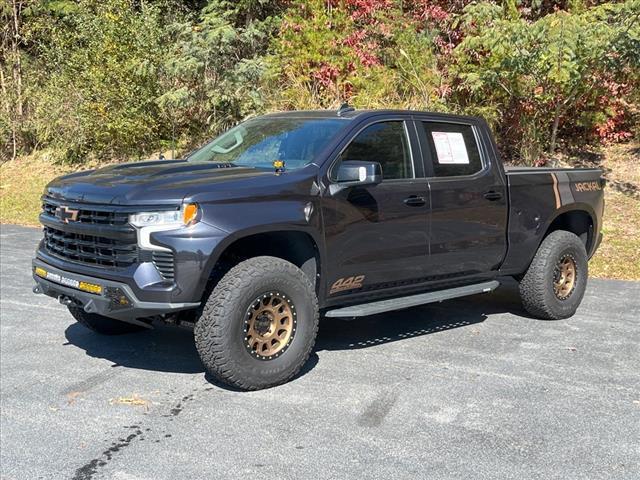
382 306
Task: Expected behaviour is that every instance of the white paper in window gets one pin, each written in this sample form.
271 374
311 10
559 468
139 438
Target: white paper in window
450 147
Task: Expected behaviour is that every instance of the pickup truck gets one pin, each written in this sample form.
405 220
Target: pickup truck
288 217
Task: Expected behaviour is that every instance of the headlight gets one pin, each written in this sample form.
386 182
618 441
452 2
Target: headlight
147 219
187 215
147 223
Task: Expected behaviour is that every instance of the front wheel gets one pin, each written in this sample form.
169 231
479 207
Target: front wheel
259 324
554 284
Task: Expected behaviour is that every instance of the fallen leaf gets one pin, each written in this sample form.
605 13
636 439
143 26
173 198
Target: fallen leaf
134 400
71 397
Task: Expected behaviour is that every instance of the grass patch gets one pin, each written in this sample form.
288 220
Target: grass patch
23 181
619 253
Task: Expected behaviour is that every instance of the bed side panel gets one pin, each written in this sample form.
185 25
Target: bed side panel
537 198
533 199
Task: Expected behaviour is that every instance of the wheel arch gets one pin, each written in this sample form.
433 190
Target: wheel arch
298 246
579 219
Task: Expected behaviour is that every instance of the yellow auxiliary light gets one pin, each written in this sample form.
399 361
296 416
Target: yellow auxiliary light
90 287
67 281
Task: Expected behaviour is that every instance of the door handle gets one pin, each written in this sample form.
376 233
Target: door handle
493 195
415 201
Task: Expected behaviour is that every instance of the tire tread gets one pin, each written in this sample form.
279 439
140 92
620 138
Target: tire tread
533 285
212 325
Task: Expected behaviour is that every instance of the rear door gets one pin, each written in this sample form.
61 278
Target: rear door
468 217
377 235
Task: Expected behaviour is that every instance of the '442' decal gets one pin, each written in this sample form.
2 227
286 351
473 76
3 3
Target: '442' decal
348 283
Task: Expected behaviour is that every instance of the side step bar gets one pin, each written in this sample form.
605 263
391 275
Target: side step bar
381 306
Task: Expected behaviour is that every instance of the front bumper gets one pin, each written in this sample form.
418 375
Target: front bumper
194 253
115 300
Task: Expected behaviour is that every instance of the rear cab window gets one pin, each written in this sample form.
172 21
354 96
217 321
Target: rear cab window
450 149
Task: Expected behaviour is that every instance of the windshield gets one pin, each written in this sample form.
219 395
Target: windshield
261 141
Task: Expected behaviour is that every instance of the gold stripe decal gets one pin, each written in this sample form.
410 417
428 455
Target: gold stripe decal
556 192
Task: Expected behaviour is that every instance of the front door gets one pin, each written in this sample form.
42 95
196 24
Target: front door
468 219
377 235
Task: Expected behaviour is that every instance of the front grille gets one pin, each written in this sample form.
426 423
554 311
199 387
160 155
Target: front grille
90 249
164 263
97 235
94 215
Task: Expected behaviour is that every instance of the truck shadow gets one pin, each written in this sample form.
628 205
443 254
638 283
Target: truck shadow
165 348
171 349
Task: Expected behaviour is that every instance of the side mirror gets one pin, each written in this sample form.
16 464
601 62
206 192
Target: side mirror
356 173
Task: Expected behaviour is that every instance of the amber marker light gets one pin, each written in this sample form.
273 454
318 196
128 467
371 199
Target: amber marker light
190 213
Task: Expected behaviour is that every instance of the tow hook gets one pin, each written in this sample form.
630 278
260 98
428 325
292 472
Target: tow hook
37 289
66 301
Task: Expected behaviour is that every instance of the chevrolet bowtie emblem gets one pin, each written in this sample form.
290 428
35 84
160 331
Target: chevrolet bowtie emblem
67 214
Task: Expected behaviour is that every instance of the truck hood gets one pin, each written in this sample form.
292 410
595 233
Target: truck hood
152 182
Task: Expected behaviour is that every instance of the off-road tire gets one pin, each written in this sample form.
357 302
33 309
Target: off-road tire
103 325
220 329
537 291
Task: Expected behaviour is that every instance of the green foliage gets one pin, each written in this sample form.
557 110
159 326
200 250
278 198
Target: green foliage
125 78
537 76
96 77
330 52
212 73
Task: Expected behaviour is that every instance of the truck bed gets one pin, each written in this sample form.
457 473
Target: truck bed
538 196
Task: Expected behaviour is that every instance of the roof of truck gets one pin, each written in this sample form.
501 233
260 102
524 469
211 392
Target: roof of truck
347 114
350 113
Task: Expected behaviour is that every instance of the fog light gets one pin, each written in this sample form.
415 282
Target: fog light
118 298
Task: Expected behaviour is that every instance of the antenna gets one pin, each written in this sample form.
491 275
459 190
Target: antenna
344 108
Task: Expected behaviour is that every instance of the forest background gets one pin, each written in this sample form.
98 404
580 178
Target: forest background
86 82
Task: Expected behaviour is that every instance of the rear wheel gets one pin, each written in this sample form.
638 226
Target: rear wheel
555 282
103 325
259 324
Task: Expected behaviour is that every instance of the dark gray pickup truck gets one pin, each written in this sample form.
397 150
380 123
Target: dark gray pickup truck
292 215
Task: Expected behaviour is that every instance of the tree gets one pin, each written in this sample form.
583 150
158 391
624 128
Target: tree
94 77
371 53
214 71
11 85
534 74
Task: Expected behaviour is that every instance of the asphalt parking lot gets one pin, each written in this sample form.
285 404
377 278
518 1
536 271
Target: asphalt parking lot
468 388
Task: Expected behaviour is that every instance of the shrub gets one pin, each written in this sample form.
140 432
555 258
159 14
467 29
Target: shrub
95 77
552 75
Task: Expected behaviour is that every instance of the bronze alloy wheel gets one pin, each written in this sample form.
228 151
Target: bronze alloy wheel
269 326
564 277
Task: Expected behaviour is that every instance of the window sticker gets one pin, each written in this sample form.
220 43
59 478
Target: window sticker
450 148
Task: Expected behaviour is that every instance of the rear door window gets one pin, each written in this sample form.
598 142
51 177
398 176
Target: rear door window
452 149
